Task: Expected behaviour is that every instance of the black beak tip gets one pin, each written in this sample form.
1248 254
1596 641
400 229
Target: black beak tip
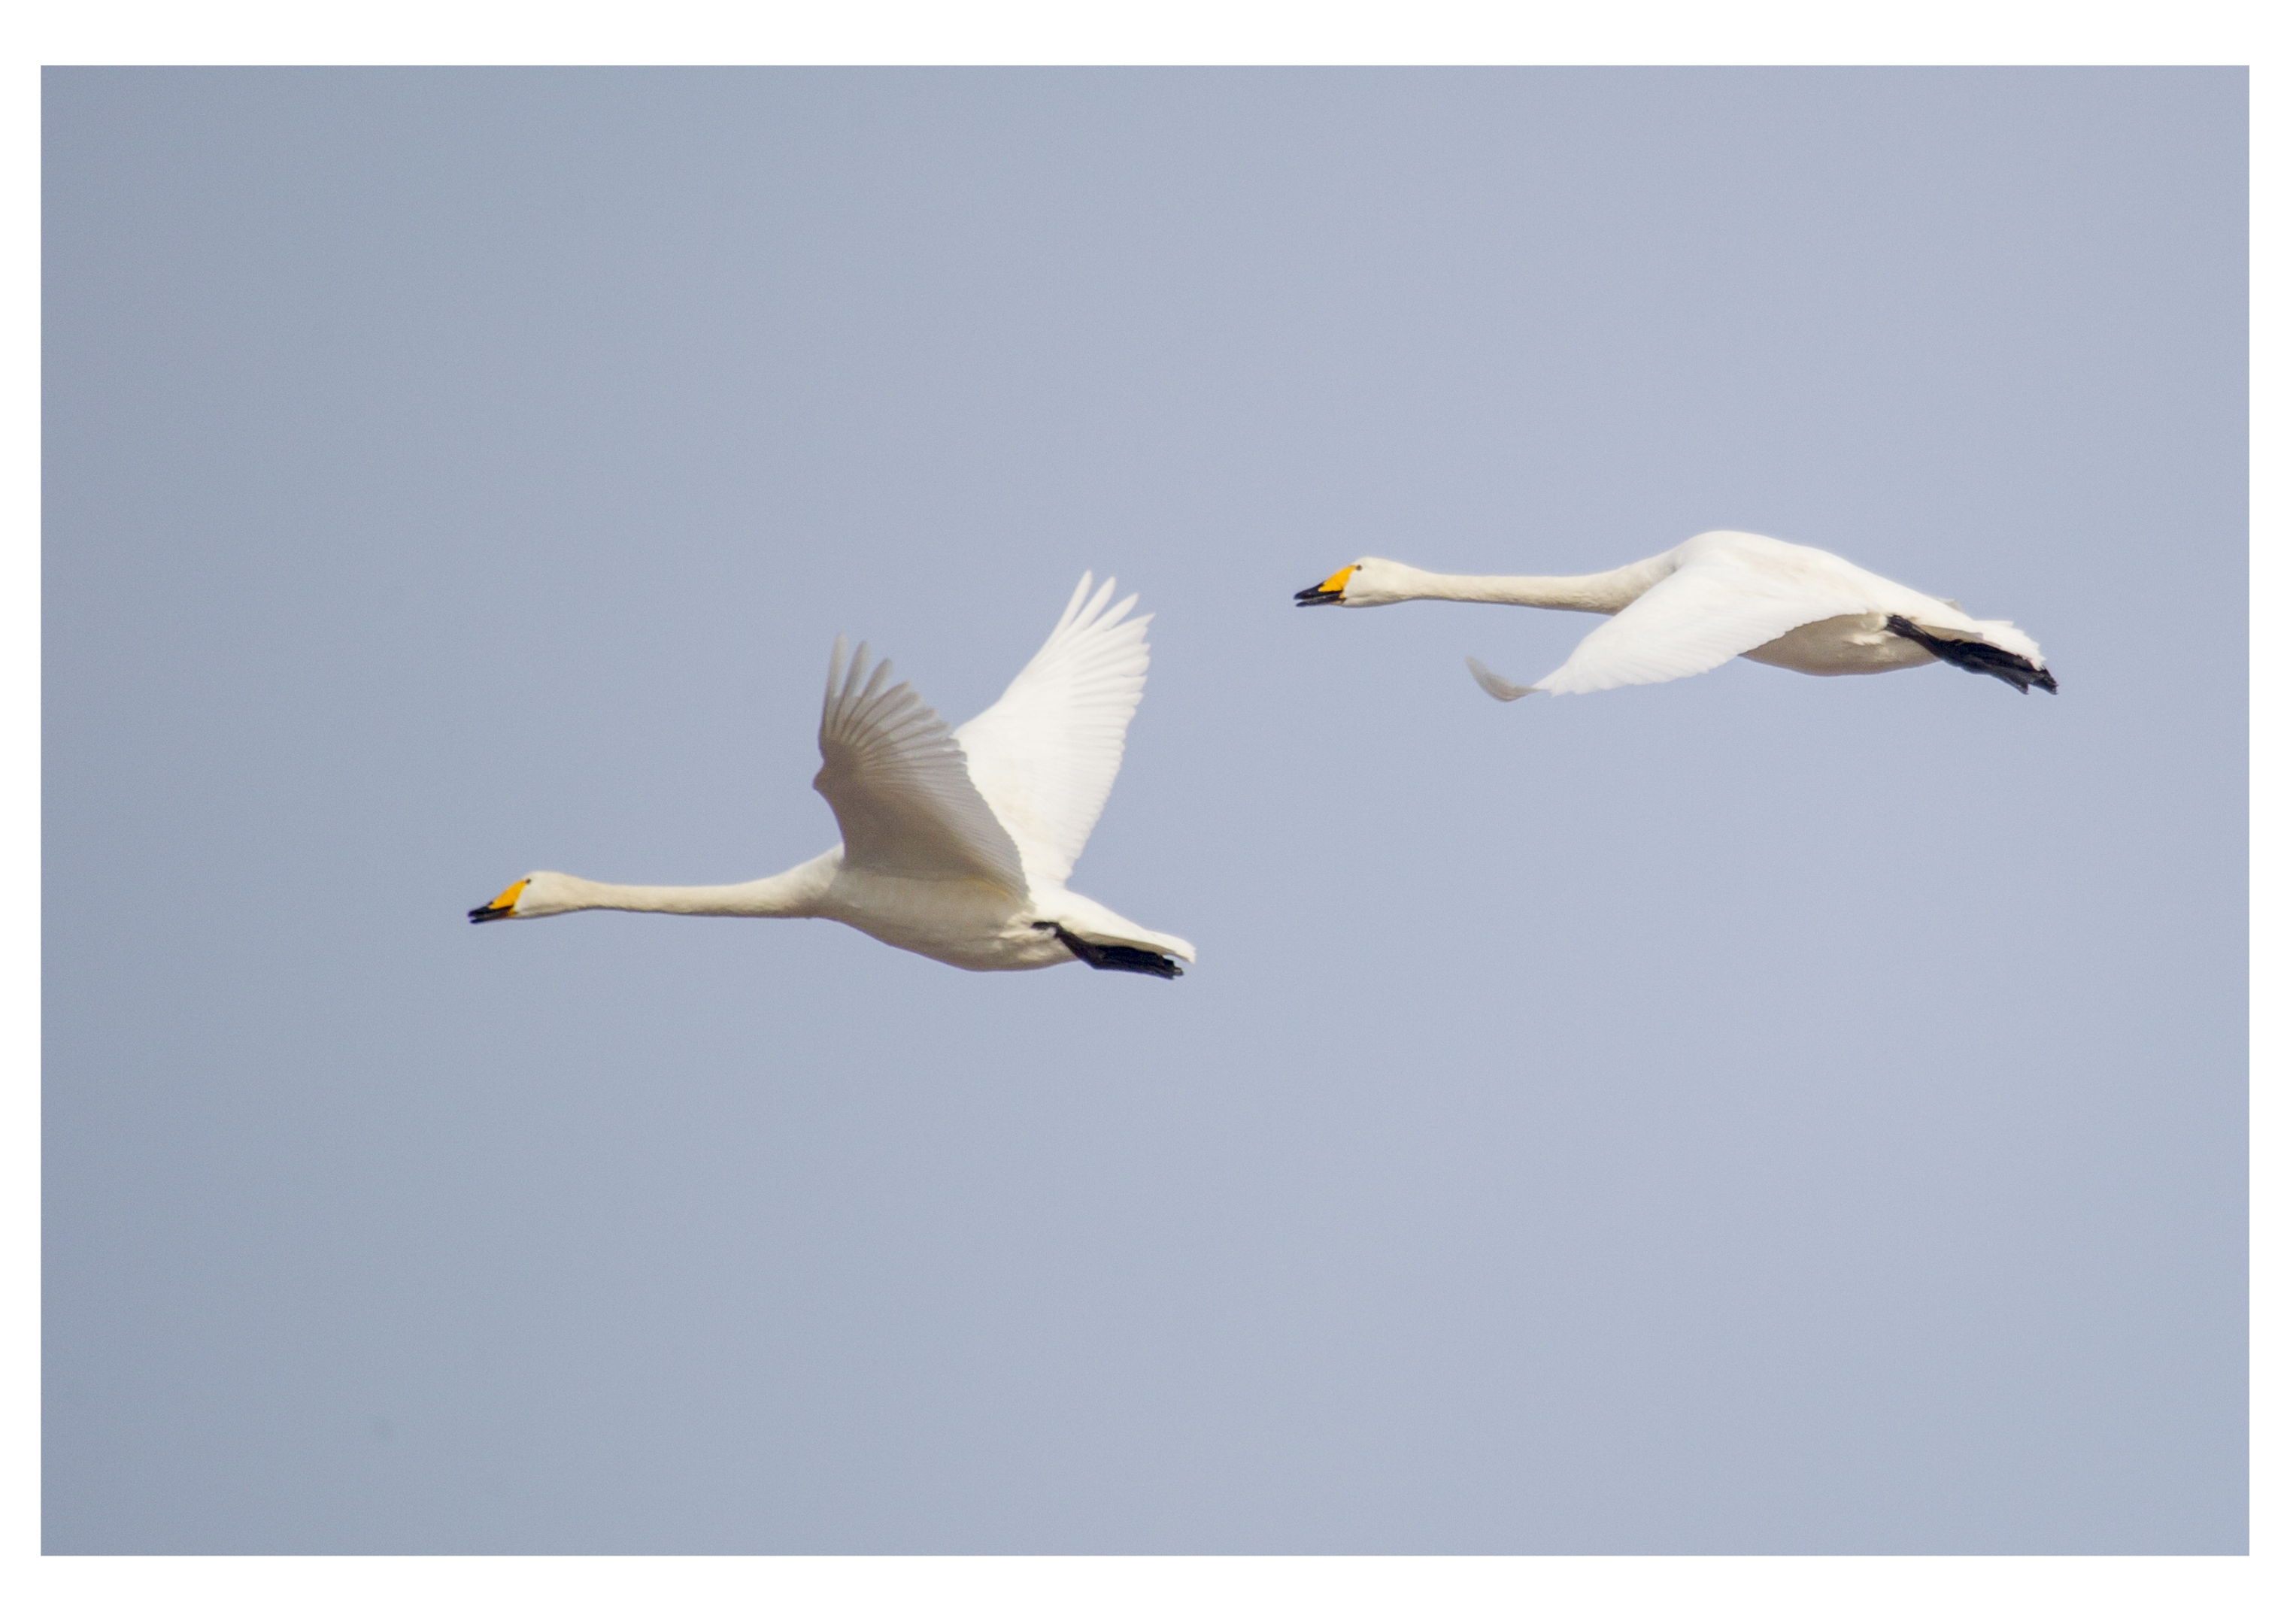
1312 595
479 916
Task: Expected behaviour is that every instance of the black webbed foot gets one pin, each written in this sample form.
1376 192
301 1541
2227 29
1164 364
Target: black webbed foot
1106 956
1979 657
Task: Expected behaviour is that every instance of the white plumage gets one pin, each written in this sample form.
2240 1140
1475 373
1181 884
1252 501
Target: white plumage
957 844
1715 597
1045 754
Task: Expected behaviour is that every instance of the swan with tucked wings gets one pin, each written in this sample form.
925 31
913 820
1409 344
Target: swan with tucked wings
1715 597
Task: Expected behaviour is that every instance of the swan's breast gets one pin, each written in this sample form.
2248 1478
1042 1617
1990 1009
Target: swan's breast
969 924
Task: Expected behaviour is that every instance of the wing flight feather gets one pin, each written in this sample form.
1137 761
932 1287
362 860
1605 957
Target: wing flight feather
1702 615
1045 754
896 778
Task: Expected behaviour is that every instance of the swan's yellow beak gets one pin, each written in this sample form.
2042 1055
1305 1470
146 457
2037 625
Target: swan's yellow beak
500 907
1332 591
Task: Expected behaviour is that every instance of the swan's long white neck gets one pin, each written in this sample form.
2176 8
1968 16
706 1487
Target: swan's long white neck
795 895
1603 594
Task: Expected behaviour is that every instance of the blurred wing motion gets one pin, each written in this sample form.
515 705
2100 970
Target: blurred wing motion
1494 685
1045 754
894 777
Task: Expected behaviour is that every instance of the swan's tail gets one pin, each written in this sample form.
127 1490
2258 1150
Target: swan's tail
1494 685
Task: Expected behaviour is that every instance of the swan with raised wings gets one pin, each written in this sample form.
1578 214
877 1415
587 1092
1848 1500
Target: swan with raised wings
1714 596
957 844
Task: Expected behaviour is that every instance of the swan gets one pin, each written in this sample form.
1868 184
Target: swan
1713 597
957 844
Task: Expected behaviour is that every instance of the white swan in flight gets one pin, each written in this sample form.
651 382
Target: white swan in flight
1714 596
957 845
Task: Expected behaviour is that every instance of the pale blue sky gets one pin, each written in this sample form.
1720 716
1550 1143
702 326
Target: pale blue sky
1753 1113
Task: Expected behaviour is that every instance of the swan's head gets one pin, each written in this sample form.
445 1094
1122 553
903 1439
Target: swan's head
1364 582
538 894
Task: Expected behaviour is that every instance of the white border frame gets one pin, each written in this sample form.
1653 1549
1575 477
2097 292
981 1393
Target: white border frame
1941 32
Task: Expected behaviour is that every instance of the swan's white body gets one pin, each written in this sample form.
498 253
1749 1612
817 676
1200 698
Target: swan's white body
1714 596
957 844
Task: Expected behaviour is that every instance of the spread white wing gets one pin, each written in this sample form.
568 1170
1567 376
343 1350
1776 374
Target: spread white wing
894 777
1702 615
1045 754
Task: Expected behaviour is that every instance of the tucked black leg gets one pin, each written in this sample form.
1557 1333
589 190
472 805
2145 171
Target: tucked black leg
1105 956
1980 657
